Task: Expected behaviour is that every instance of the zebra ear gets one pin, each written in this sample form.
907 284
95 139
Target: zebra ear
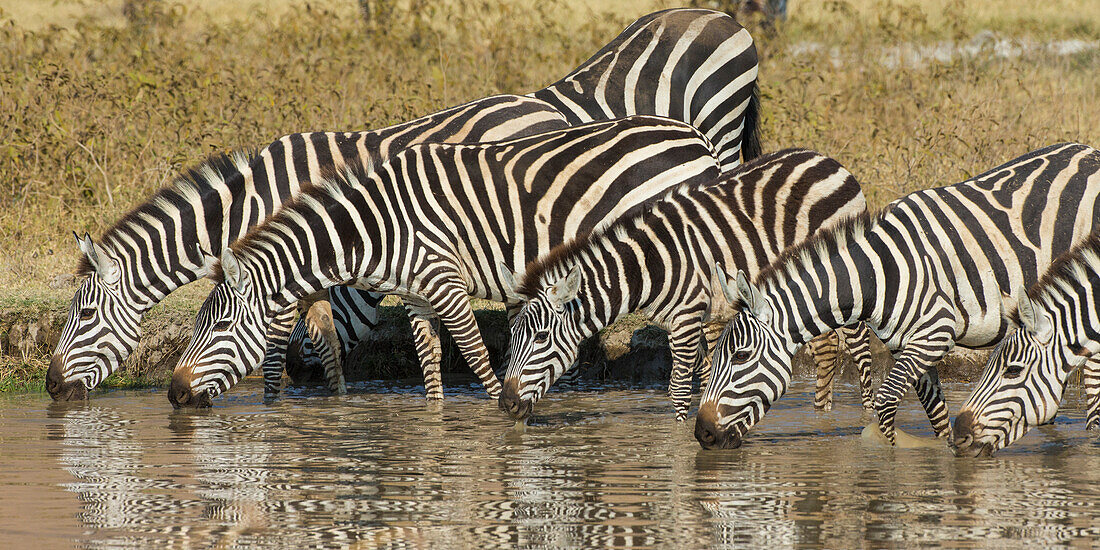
208 260
234 274
566 289
104 266
508 280
1034 320
723 281
753 298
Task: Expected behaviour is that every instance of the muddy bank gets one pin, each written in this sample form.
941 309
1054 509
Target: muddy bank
628 351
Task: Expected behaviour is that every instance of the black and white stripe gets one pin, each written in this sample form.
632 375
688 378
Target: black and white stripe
696 66
661 262
152 250
432 225
931 271
1027 373
147 244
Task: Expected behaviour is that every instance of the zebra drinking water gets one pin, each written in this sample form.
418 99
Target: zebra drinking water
152 250
931 271
1025 377
693 65
660 261
431 225
706 77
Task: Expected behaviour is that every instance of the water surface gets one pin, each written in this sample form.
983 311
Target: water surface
605 467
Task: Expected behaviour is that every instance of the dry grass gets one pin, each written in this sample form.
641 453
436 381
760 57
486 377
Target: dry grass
97 110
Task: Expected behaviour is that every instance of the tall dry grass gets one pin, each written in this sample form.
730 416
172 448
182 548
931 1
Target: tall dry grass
94 114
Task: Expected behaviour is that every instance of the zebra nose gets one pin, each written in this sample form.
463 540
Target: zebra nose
58 388
963 434
511 403
709 434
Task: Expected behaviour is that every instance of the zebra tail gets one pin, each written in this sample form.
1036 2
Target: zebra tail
750 136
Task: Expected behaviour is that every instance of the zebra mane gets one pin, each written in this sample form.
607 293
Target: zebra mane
332 181
807 252
1065 272
219 167
537 272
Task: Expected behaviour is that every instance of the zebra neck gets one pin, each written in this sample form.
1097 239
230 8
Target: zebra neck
1075 313
824 286
610 284
280 286
146 283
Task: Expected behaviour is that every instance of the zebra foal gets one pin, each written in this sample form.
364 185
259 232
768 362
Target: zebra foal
932 270
431 225
660 261
1025 377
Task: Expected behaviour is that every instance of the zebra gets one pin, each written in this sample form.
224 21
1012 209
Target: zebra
1024 378
152 250
430 225
694 65
714 66
659 262
930 271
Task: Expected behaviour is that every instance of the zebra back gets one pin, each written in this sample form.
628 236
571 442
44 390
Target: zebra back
697 66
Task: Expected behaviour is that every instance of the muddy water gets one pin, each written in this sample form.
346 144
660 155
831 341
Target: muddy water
608 468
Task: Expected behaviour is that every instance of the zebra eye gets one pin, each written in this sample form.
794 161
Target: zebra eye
223 325
740 356
1014 371
541 337
86 313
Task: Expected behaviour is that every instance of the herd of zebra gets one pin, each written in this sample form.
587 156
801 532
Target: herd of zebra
634 184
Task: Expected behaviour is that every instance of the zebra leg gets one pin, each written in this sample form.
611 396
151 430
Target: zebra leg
278 335
425 327
1090 378
327 344
858 338
823 349
930 394
685 342
909 367
451 302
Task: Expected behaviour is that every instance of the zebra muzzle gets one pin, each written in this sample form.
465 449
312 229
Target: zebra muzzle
963 442
710 434
511 403
181 395
60 389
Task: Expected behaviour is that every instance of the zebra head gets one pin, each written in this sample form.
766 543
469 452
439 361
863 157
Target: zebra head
102 329
546 336
751 369
1021 387
227 343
